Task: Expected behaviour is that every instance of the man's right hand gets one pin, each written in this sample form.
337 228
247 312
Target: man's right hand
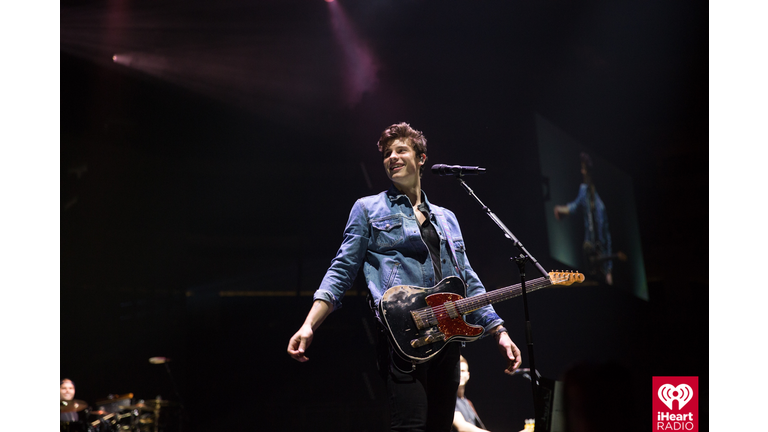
561 211
300 342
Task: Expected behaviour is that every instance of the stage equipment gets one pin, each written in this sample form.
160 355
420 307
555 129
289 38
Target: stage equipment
540 405
445 170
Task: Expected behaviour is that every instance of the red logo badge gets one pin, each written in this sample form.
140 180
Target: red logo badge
675 404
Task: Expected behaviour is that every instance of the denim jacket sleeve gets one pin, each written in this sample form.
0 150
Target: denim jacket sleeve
485 316
580 200
344 267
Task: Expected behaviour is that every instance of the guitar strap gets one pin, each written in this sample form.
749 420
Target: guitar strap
449 238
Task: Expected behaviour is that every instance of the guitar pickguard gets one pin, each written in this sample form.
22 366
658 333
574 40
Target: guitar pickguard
450 322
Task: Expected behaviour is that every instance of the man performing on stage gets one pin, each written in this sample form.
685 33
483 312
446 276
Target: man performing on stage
400 238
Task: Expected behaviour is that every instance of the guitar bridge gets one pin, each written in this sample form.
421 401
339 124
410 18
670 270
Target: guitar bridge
426 340
421 323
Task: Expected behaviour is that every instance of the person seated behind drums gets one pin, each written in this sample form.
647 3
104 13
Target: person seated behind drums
67 393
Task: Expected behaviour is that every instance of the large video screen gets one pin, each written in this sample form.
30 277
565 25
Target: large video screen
590 212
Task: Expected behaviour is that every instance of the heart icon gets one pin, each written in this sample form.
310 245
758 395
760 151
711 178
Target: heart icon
683 393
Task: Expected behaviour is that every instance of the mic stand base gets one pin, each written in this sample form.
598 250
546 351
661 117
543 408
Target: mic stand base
538 403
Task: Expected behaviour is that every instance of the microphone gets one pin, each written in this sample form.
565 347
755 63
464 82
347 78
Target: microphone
159 360
445 170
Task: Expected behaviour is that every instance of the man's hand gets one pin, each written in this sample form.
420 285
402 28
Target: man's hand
510 351
561 211
300 342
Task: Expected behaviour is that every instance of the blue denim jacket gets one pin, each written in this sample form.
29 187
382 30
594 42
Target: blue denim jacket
383 235
596 230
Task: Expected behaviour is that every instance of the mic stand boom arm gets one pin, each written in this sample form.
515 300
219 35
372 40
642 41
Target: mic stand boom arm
507 233
524 256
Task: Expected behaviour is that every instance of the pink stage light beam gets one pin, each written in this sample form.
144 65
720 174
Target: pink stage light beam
360 65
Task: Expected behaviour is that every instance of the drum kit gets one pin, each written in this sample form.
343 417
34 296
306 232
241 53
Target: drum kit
116 413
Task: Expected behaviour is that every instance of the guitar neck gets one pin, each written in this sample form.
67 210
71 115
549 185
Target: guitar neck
471 304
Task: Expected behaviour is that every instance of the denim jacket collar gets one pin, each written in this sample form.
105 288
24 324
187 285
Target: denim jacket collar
394 194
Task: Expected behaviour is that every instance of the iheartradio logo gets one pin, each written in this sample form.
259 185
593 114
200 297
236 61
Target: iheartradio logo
683 416
669 393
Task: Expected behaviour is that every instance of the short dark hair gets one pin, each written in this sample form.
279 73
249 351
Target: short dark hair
65 380
404 131
586 160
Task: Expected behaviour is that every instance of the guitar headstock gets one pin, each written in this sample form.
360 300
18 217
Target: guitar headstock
565 278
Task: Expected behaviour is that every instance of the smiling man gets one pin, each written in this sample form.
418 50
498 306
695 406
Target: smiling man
400 238
67 393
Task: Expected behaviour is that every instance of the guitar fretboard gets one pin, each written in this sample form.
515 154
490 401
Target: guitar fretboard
471 304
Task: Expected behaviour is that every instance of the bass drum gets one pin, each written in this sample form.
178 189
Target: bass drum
73 426
73 421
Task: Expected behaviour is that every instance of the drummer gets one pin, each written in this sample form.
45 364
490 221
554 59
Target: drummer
67 389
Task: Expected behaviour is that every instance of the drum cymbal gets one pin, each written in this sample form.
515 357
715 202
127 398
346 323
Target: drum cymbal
114 398
150 405
138 406
73 405
160 403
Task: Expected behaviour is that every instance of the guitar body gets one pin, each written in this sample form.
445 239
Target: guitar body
420 321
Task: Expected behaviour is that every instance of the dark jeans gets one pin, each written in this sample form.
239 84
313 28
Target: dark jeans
422 399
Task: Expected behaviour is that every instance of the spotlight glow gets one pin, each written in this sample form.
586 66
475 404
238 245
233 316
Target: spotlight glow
274 70
360 65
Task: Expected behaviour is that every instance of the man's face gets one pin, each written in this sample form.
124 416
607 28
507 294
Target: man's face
67 390
400 162
464 374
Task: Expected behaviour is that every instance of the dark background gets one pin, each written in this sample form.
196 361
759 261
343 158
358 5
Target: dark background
202 199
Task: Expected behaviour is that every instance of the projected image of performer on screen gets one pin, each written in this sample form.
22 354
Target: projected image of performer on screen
582 192
597 235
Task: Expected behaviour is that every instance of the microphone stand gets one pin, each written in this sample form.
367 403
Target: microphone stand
520 260
183 409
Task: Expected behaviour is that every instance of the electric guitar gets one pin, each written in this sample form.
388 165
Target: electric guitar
421 321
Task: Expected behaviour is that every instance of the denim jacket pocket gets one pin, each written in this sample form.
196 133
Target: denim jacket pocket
392 276
388 232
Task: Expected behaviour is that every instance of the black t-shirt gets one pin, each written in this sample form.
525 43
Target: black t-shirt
464 406
430 237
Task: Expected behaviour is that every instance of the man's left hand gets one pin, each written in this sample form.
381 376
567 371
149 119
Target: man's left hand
510 351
